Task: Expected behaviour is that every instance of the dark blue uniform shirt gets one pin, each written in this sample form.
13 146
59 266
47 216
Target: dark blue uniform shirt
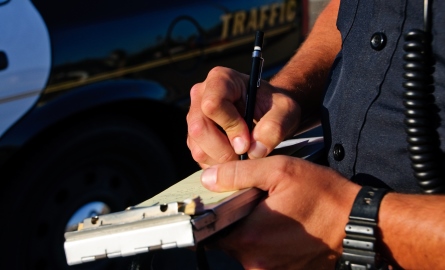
363 109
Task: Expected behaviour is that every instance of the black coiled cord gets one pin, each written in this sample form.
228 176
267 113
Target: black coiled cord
421 114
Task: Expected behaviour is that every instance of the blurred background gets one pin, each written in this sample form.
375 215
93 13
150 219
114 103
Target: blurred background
93 100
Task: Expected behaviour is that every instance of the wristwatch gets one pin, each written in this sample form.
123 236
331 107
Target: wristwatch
359 251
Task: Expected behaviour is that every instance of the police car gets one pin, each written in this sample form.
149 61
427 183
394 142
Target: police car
93 98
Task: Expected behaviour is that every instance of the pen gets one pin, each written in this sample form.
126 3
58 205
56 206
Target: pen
254 83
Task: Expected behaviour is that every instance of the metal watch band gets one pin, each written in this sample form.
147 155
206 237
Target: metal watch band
359 252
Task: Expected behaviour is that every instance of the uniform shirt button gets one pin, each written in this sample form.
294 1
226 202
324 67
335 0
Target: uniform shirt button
378 41
339 152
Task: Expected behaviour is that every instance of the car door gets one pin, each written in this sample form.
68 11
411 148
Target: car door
24 59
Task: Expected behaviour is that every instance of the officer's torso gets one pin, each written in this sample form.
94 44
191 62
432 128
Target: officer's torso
363 110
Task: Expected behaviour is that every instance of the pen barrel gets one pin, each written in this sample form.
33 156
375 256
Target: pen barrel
252 91
254 83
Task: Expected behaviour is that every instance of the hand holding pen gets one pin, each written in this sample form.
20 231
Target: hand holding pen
254 83
219 130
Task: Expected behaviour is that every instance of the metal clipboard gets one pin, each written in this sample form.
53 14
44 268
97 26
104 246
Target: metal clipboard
142 229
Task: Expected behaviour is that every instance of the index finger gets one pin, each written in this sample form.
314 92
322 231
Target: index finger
222 100
207 143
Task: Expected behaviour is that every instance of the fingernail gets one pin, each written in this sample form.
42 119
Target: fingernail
208 176
239 145
257 150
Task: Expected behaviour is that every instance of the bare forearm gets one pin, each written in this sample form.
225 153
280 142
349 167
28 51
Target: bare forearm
306 73
413 230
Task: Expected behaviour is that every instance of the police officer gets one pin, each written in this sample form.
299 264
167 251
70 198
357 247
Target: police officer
355 49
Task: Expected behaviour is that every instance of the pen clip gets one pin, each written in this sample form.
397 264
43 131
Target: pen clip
261 71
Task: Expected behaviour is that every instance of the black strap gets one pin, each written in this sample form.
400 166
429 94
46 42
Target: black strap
359 252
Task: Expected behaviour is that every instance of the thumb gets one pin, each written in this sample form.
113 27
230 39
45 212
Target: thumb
238 174
280 121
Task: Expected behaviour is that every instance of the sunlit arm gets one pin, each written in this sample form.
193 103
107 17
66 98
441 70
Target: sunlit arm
304 76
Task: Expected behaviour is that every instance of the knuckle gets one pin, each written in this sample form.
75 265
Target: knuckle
189 141
210 106
198 155
216 71
195 91
192 118
195 129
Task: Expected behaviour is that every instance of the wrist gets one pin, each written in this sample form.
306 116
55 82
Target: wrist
339 201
